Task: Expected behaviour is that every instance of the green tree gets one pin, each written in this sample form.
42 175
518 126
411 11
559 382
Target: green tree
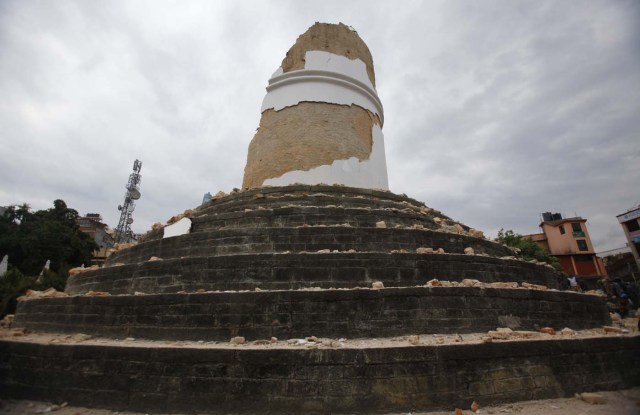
528 249
12 285
32 238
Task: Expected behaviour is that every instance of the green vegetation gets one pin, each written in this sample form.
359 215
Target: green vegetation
32 238
12 285
528 249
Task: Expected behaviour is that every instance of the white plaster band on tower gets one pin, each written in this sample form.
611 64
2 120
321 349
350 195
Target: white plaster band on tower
328 78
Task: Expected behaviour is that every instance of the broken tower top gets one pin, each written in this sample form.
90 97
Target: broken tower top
321 117
338 39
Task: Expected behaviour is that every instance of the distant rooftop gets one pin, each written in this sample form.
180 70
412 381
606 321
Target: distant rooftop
555 219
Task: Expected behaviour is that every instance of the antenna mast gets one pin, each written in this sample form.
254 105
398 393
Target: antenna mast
123 231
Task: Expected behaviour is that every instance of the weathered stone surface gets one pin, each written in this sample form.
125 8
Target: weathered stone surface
6 321
476 233
77 270
593 398
423 250
548 330
329 313
269 240
276 380
299 270
34 294
337 39
305 136
501 333
237 340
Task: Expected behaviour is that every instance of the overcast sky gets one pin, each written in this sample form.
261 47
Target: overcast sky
495 111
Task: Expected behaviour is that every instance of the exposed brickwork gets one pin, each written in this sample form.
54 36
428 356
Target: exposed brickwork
307 135
320 195
172 379
294 314
310 239
338 39
282 217
294 271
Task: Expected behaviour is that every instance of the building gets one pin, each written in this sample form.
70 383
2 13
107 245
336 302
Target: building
630 222
568 240
92 224
622 266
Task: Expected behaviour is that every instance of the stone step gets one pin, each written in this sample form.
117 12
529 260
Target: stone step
214 379
295 216
336 194
283 198
314 199
291 271
309 239
350 313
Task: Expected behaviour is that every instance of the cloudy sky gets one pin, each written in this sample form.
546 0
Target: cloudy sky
495 111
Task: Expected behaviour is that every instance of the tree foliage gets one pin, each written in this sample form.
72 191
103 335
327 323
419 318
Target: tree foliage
528 249
32 238
12 285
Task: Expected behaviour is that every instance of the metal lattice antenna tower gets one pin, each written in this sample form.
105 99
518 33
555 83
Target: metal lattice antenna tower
123 231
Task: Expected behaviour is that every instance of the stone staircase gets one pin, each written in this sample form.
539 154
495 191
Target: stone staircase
292 270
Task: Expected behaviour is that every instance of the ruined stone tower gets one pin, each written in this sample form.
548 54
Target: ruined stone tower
303 297
321 118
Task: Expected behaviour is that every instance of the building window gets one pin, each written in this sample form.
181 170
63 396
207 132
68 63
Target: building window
582 244
577 230
561 229
633 225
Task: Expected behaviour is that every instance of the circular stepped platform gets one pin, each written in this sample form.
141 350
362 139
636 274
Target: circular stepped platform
297 216
229 248
302 239
361 378
296 270
351 313
265 241
316 195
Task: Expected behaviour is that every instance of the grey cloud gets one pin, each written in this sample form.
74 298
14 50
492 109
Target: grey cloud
495 111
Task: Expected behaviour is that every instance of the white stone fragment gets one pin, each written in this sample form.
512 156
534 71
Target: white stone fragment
181 227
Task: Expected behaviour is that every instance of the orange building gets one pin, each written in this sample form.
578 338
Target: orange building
568 240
